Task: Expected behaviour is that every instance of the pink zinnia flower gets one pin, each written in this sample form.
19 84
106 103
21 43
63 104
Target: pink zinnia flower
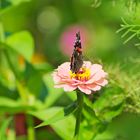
90 78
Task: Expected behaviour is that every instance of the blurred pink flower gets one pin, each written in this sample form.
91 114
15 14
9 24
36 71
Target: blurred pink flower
68 37
91 77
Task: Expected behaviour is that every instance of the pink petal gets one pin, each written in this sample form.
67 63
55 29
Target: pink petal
77 82
102 82
67 80
94 87
95 68
73 82
56 78
66 87
59 86
64 69
97 76
69 87
100 74
87 64
84 89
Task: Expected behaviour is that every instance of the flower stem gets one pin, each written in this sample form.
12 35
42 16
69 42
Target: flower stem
30 129
2 37
78 113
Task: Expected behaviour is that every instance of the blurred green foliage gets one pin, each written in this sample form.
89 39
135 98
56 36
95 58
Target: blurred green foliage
32 35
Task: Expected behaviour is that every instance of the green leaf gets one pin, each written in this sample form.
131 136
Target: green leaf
34 82
15 18
110 103
3 128
7 102
12 106
16 2
111 97
50 135
111 112
72 95
22 42
65 128
6 92
124 127
43 67
90 114
54 114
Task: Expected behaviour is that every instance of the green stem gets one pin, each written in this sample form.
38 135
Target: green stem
2 37
10 64
78 113
30 129
20 88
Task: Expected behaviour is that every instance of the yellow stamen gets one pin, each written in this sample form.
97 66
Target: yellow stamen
83 74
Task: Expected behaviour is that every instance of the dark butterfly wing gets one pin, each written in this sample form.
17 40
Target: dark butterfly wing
77 57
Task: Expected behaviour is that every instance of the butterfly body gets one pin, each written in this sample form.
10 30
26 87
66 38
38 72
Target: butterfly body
77 57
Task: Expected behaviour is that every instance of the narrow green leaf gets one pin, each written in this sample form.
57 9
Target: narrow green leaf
119 30
124 21
129 30
137 44
12 106
130 38
70 108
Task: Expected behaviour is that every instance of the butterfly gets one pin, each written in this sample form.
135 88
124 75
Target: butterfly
77 57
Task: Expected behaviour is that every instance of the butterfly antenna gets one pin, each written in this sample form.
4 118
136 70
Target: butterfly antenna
78 36
78 41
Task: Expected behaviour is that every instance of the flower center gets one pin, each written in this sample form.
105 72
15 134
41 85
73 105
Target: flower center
82 75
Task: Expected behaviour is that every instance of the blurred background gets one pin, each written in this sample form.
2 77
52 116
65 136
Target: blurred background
36 36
